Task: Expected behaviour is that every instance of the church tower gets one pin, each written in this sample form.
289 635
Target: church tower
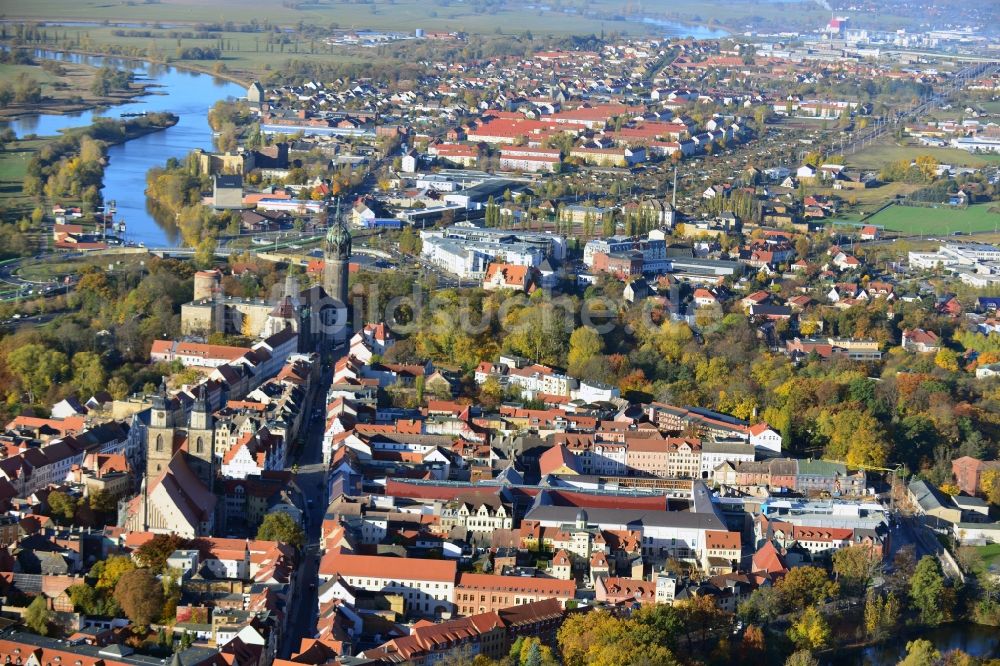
336 258
201 440
160 434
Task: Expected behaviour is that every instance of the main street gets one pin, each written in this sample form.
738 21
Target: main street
311 478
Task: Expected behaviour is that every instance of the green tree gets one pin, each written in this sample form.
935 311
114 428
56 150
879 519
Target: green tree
928 594
204 255
62 506
38 616
762 607
90 601
88 372
37 368
279 526
103 502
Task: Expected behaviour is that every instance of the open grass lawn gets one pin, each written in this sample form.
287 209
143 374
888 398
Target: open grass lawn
54 268
877 156
942 220
10 72
13 164
62 93
869 200
990 554
990 107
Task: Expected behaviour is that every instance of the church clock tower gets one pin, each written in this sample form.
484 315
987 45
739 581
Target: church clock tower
160 434
201 440
336 258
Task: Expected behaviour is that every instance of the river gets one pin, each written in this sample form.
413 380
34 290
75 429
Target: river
188 95
974 639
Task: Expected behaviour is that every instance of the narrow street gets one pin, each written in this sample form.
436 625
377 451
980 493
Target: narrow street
312 480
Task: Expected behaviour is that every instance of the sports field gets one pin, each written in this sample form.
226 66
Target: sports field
942 220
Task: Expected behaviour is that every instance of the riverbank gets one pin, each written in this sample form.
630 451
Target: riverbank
65 91
142 88
185 92
16 157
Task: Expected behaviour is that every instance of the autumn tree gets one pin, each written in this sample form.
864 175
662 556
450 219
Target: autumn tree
118 388
108 572
36 368
802 658
946 359
491 392
920 652
989 484
927 165
810 631
855 567
753 643
204 255
806 586
154 553
584 345
598 638
854 436
702 619
672 338
582 633
881 614
140 596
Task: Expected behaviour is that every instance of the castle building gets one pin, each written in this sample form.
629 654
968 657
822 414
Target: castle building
308 312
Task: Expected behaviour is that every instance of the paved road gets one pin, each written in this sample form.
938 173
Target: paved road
312 480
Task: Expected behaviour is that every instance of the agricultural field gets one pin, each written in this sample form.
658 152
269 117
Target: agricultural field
942 220
400 15
600 15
